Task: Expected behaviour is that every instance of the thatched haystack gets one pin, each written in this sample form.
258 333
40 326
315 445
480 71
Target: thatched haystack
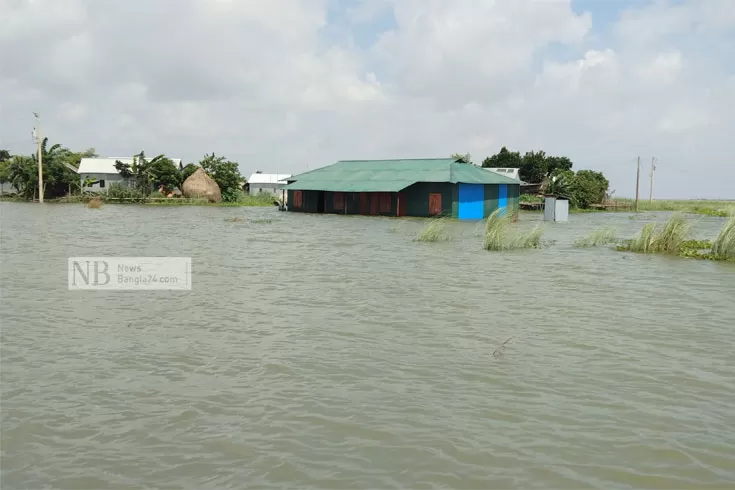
199 184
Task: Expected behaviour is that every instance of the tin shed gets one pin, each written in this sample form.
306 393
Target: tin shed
409 187
556 208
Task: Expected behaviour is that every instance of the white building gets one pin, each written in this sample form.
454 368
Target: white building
271 183
508 172
104 172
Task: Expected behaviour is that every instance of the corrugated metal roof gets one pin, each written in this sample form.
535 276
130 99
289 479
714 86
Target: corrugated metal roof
392 175
267 178
508 172
107 165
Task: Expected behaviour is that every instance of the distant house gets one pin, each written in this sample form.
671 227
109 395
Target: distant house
103 171
270 183
513 173
418 187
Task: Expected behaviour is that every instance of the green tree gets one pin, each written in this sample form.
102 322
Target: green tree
225 173
504 159
554 164
534 167
58 177
589 187
462 157
149 174
5 157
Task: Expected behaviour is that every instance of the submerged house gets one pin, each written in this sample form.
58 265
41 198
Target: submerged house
414 187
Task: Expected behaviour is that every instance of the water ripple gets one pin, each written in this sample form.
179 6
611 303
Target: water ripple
335 352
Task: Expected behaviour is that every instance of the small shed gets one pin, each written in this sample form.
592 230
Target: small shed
556 208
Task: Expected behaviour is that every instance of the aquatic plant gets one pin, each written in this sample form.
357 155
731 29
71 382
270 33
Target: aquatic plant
499 235
656 239
723 246
434 231
601 236
95 203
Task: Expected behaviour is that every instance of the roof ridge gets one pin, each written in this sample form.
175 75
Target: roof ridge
397 159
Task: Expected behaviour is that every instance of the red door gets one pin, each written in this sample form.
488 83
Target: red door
363 203
401 204
374 203
435 203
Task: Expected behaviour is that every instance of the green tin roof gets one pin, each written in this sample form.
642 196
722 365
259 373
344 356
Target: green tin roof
392 175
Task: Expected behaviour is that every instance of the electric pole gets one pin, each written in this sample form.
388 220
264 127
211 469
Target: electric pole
37 134
637 183
653 169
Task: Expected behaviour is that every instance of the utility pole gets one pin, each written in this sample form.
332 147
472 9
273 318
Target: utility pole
653 169
637 183
37 134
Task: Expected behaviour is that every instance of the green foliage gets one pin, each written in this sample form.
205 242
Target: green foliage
145 175
434 231
463 157
499 234
4 155
504 159
601 236
118 190
588 187
225 173
530 198
58 179
534 166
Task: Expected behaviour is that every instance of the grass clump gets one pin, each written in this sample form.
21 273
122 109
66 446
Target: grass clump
434 231
499 235
723 246
95 203
601 236
656 239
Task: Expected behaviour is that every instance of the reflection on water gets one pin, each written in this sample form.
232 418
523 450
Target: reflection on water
335 352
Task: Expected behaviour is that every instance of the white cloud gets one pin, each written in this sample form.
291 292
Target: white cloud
272 85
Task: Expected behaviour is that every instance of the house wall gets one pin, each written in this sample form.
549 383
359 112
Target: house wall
274 189
417 198
7 188
108 178
492 198
414 199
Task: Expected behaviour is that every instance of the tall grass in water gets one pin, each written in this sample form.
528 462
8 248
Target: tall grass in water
500 236
601 236
666 239
95 203
724 245
434 231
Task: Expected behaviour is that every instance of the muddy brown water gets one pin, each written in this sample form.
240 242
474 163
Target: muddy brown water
335 352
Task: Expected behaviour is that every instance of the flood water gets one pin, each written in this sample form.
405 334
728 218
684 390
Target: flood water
335 352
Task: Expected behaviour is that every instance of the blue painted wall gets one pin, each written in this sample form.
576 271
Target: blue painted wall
503 199
471 201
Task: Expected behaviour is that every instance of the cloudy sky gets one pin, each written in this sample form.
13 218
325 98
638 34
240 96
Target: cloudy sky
290 85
